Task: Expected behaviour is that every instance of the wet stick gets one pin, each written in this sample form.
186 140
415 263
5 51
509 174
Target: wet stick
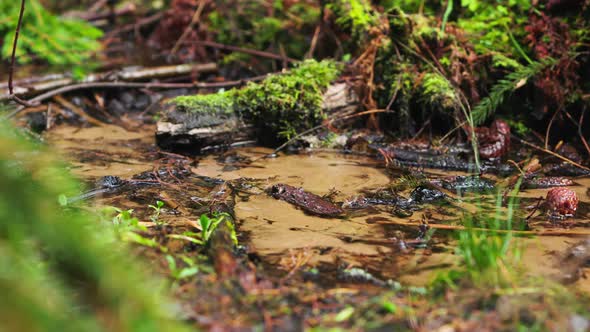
460 228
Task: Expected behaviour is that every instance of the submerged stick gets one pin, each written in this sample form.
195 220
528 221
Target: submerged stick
479 229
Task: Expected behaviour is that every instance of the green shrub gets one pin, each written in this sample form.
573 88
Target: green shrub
59 41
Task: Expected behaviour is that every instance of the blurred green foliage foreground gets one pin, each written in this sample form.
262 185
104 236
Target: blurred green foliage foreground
61 270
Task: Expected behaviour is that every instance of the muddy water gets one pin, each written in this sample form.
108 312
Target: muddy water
276 228
107 150
280 233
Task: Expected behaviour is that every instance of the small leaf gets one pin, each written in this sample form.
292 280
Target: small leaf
63 200
187 272
171 263
205 222
390 307
344 314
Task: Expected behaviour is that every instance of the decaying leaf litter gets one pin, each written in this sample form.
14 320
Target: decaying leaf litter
374 191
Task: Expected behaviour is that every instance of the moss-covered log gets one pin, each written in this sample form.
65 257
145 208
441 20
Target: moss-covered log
270 112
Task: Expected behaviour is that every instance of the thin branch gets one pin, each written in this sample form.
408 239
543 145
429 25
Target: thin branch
580 132
548 131
551 153
314 41
131 85
191 25
579 125
325 124
241 50
572 233
13 57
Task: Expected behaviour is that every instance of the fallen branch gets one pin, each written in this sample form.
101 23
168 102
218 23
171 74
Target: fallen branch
241 50
130 85
197 133
37 85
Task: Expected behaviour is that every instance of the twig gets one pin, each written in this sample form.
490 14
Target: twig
78 111
394 96
459 126
461 228
241 50
187 30
579 125
325 124
551 153
51 82
105 85
580 131
548 131
12 96
314 41
135 26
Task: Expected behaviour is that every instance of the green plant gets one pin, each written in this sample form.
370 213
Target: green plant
505 86
438 92
188 236
491 25
127 228
179 273
155 217
489 254
280 26
60 269
59 41
355 15
210 224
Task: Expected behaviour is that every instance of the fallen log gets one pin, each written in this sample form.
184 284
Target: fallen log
201 131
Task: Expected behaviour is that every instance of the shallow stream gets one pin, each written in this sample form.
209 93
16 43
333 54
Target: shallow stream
276 231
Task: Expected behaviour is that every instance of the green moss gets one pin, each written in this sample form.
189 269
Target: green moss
281 105
220 102
289 103
355 15
436 91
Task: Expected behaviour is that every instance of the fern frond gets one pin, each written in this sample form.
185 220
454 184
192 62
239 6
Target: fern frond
505 86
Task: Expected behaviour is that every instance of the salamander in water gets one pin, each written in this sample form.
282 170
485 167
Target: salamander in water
307 201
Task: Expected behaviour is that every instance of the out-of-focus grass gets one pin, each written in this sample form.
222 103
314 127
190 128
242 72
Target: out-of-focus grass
61 270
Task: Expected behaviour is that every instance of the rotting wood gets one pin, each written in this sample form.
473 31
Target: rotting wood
195 133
